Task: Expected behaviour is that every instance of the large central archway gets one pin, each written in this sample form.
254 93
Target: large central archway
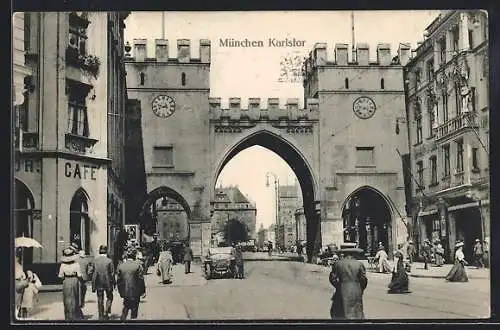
299 165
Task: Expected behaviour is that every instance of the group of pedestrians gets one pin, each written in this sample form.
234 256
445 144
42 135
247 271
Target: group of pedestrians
27 286
101 274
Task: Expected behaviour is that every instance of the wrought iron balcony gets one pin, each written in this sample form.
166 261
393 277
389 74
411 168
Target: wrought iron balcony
456 125
79 143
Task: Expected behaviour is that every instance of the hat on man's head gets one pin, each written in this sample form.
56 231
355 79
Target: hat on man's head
69 255
478 240
459 244
103 249
131 253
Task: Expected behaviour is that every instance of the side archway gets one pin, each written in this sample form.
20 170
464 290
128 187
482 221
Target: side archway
149 208
367 217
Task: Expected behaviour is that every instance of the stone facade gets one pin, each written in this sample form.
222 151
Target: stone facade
448 127
67 188
231 204
192 137
359 152
290 200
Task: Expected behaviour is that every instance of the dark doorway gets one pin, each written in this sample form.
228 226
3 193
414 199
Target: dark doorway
23 218
367 220
79 221
468 228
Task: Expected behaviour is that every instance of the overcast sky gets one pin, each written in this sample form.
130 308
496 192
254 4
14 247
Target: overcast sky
254 72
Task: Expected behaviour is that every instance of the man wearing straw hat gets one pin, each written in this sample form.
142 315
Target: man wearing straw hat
348 276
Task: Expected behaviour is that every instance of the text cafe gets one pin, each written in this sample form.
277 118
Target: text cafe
80 171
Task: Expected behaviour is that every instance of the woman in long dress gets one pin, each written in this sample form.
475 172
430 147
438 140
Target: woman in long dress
382 258
164 266
457 272
71 275
399 282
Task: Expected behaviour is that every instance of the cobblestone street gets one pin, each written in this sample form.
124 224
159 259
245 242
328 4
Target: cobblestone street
278 289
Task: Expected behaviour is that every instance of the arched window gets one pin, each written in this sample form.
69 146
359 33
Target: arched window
346 83
142 76
183 79
79 221
23 210
382 83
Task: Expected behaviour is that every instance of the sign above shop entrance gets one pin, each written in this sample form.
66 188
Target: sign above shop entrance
80 171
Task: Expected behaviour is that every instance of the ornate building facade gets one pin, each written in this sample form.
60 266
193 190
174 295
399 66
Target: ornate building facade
232 205
69 133
448 128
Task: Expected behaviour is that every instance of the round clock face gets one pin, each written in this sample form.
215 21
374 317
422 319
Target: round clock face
163 106
364 107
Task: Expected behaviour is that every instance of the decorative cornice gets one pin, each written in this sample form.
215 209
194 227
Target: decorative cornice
62 154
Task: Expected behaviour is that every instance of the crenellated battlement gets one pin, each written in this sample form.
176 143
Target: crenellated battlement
257 109
139 50
319 56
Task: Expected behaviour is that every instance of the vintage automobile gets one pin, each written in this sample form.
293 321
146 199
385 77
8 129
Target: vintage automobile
219 261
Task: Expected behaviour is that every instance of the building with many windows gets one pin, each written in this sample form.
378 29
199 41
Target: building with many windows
232 205
69 133
290 199
447 116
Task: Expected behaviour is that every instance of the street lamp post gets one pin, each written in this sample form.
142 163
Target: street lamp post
276 192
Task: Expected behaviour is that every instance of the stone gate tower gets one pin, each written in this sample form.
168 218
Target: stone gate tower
173 95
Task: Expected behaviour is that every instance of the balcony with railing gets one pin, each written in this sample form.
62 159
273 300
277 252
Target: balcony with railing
25 140
456 125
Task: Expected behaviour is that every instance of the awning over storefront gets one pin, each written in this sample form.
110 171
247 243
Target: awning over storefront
463 206
427 212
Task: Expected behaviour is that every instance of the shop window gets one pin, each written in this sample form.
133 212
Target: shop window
77 111
433 166
163 156
460 156
475 160
420 174
458 101
471 39
418 125
23 209
418 77
442 51
365 156
432 117
77 37
446 160
455 38
430 70
80 221
444 97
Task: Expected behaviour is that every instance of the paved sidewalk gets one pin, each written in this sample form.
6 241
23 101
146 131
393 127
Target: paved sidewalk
149 308
417 270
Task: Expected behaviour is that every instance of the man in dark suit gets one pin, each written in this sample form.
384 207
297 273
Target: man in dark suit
188 257
103 281
130 282
348 276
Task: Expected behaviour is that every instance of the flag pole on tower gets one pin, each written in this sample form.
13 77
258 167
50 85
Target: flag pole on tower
163 25
352 40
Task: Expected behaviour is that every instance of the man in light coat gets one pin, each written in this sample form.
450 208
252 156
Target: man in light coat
103 281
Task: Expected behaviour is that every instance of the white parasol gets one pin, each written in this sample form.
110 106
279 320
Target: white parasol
27 242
